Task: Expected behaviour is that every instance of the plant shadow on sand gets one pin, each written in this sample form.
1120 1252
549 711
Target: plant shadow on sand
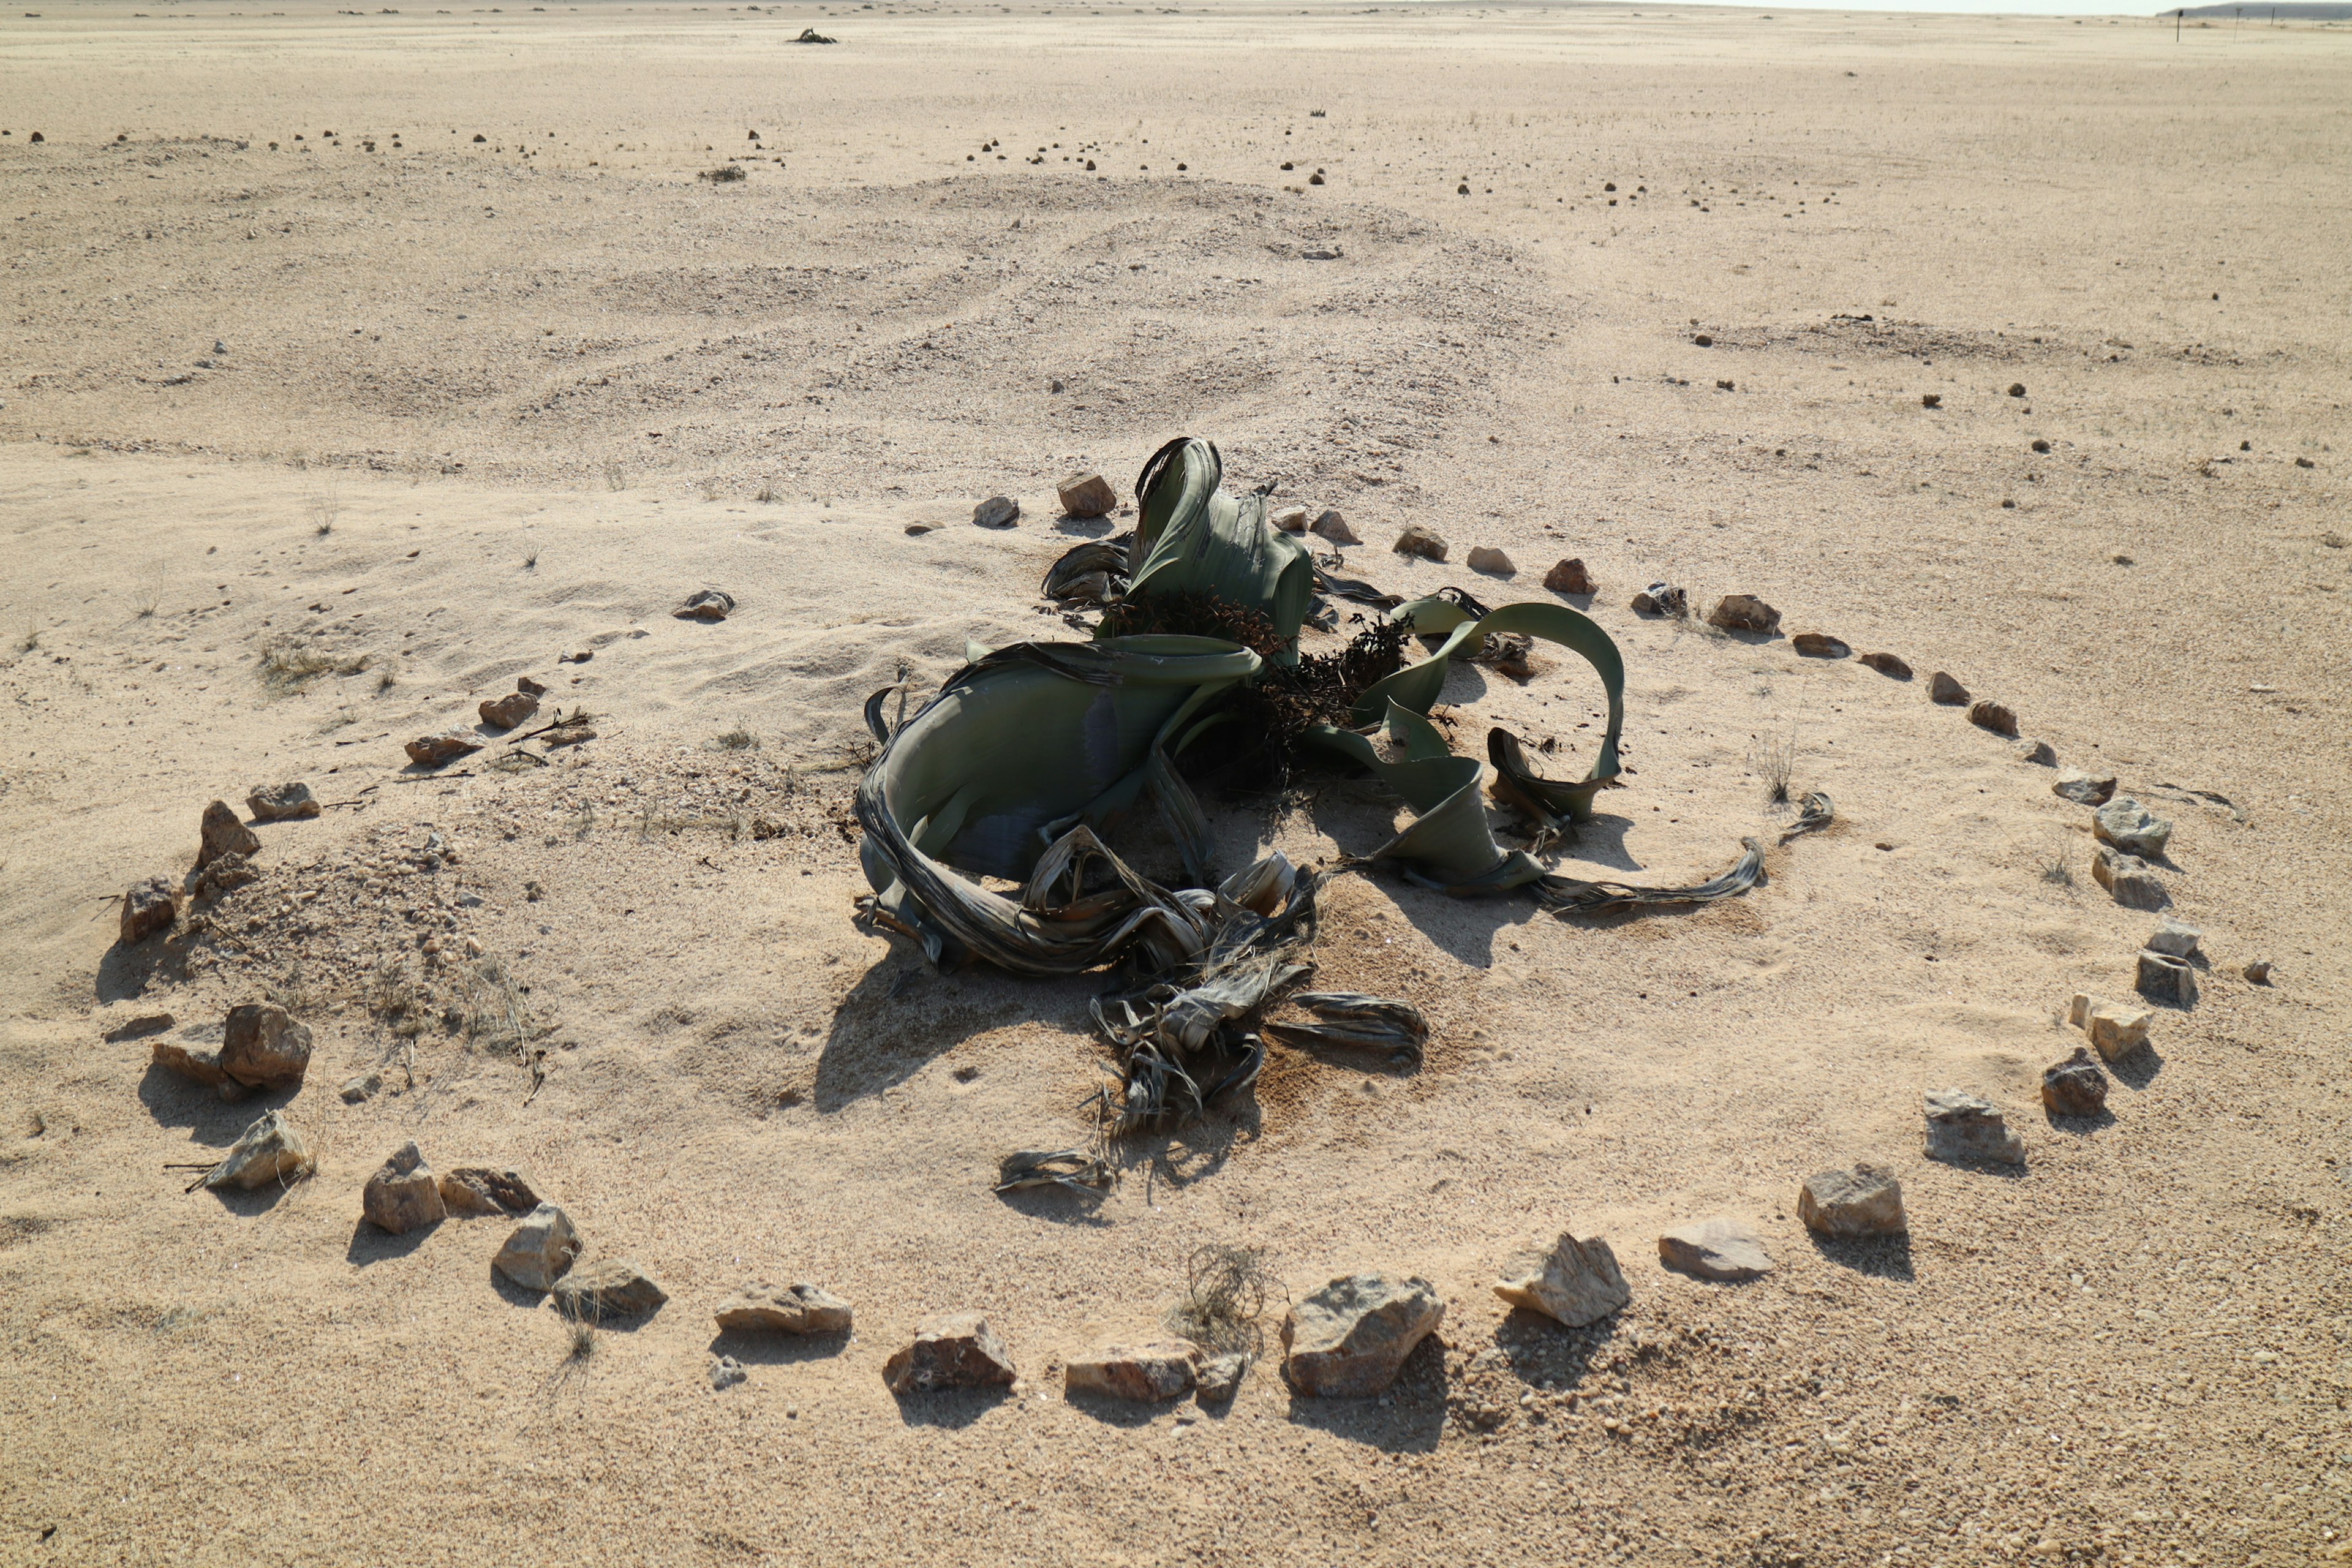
900 1016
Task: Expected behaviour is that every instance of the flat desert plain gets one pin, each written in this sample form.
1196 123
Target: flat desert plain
358 363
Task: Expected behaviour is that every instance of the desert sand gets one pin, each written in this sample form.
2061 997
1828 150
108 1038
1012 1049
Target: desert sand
357 364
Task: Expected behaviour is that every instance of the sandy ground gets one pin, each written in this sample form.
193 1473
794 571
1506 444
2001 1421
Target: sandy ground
478 403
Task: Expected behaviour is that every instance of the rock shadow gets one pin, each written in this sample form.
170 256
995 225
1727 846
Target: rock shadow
1085 526
1880 1257
514 1294
1410 1418
1541 1349
2081 1126
899 1016
371 1242
950 1409
125 973
2139 1068
1112 1412
755 1347
259 1200
176 1101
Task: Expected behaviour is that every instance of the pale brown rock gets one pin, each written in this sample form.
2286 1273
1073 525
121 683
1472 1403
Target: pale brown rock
2116 1028
478 1190
1349 1340
997 511
1575 1282
1717 1248
1943 689
1493 561
2131 828
1818 645
2084 789
261 1048
224 834
225 875
616 1288
528 687
1419 541
402 1196
269 1150
506 712
1289 519
1888 665
1744 613
1570 576
1330 525
540 1249
2128 878
1083 495
1962 1127
1146 1374
1866 1201
951 1350
1987 714
799 1307
706 605
438 751
2166 979
194 1065
149 907
282 803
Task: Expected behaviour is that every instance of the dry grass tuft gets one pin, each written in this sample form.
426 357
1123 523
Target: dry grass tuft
1226 1293
1776 760
739 740
290 663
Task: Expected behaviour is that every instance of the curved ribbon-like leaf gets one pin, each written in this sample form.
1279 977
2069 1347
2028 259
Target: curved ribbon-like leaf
1193 537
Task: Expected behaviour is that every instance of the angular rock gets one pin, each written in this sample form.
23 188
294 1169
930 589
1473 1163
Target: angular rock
362 1088
1081 495
2127 877
2041 753
1744 613
149 907
402 1196
1570 578
997 511
2258 972
282 803
1661 599
1146 1374
1220 1377
1943 689
1289 519
2084 789
478 1189
1717 1248
1818 645
706 605
1493 561
1348 1340
1987 714
506 712
2116 1028
195 1066
2166 979
528 687
261 1048
1419 541
438 751
2074 1087
139 1029
799 1307
2127 825
1888 664
726 1371
616 1288
1864 1201
1334 527
224 835
1963 1127
1576 1283
540 1249
951 1350
2175 939
269 1150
